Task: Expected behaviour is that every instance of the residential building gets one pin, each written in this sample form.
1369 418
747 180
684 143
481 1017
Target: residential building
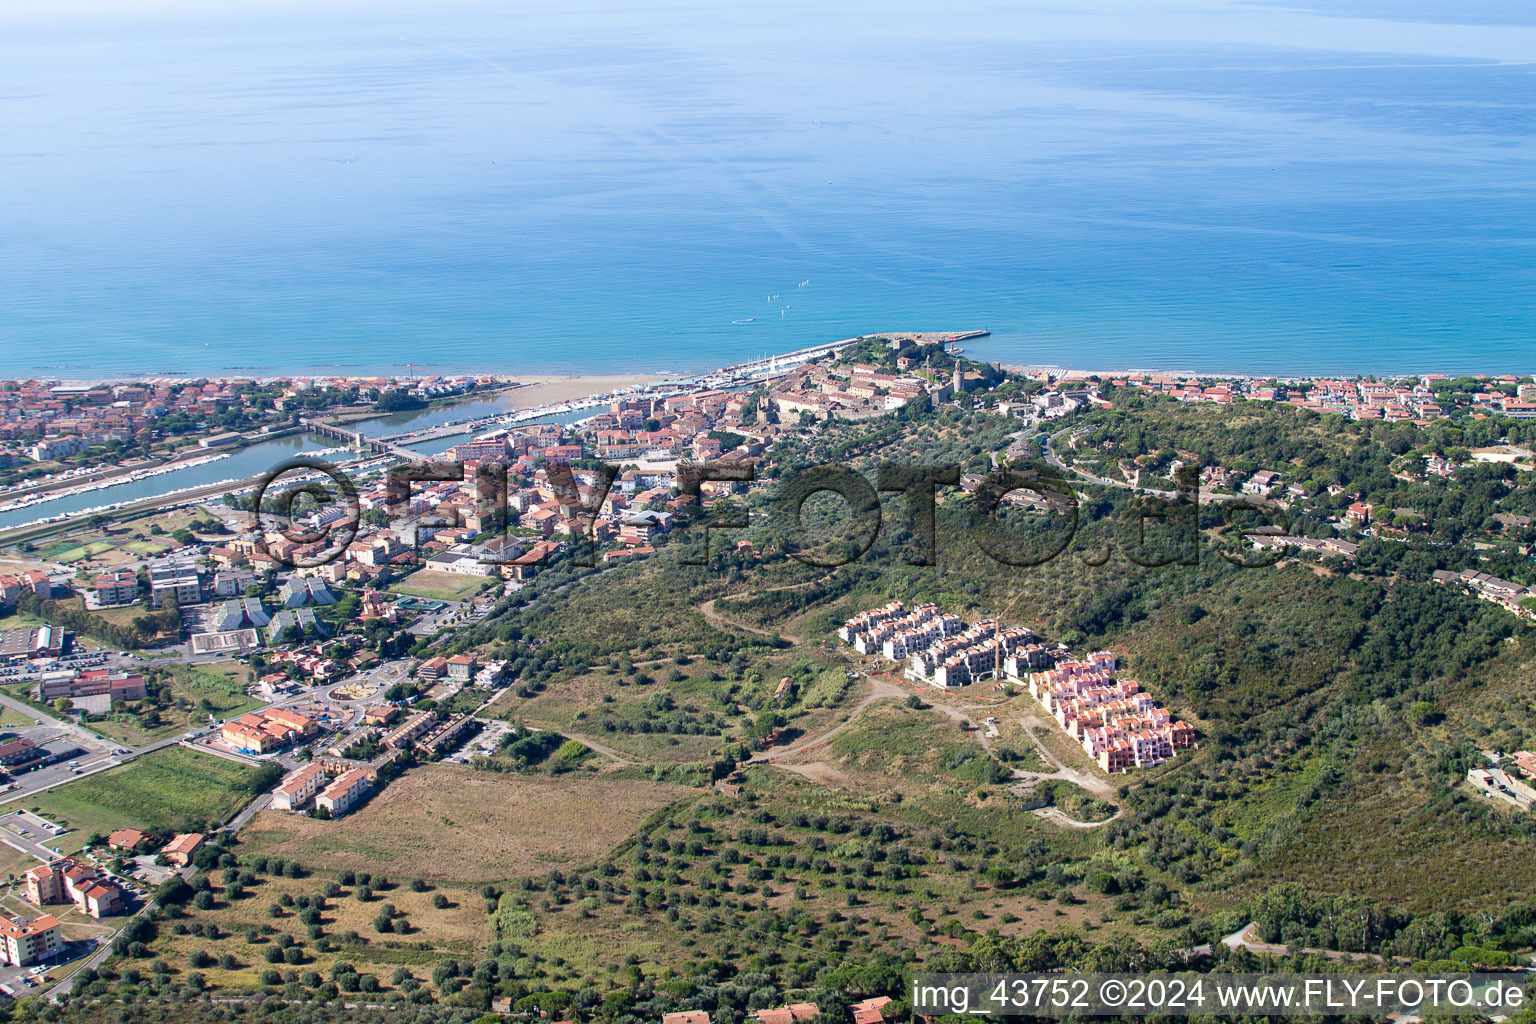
1358 514
127 840
1506 593
1261 482
69 881
45 884
290 619
344 793
101 900
445 737
241 613
869 1011
178 578
795 1013
404 734
380 714
114 589
1116 724
180 849
19 751
297 787
38 582
232 582
260 732
305 591
28 940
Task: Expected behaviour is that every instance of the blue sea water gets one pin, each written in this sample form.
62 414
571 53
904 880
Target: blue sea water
671 186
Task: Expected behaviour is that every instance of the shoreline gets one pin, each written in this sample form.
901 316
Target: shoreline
501 378
556 387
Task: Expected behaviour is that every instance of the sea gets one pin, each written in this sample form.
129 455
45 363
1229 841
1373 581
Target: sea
665 187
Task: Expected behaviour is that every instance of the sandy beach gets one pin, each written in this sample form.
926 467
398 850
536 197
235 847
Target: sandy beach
546 390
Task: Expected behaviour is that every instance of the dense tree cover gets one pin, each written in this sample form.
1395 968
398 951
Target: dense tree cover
1292 915
70 615
398 400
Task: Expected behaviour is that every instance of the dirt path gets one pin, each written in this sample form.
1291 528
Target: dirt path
1092 783
1247 937
1059 816
878 691
1027 780
707 609
601 748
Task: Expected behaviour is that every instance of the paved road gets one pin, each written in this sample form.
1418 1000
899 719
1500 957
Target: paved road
248 812
101 757
43 718
97 958
35 846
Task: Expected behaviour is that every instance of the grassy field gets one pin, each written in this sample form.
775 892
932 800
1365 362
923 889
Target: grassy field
12 719
895 749
216 689
439 586
691 710
169 790
14 863
122 615
457 824
80 552
583 703
21 620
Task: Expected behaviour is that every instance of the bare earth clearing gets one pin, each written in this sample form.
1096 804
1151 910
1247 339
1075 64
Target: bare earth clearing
457 824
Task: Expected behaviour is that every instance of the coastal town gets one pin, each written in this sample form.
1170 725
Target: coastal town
745 514
315 644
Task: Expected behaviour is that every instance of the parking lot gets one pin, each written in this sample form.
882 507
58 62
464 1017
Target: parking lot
20 981
30 833
482 744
